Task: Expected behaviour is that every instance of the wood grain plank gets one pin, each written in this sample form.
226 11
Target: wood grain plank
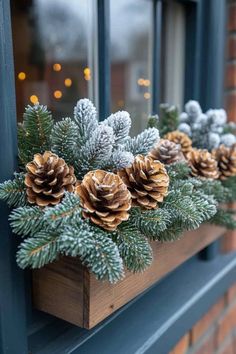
67 290
58 289
106 298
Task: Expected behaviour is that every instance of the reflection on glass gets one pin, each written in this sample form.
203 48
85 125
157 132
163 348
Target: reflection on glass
51 42
130 74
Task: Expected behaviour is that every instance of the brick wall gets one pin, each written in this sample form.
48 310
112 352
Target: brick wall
229 243
215 333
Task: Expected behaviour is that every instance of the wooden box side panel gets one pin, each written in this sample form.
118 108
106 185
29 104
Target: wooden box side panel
58 289
106 298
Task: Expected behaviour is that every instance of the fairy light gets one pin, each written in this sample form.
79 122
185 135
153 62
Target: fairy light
146 83
146 95
57 67
87 74
57 94
68 82
22 76
34 99
140 81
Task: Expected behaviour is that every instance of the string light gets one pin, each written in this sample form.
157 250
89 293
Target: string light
22 76
146 95
34 99
68 82
140 81
146 83
57 67
87 74
57 94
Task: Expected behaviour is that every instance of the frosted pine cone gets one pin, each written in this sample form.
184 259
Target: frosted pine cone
202 164
47 179
180 138
105 199
226 159
167 152
147 181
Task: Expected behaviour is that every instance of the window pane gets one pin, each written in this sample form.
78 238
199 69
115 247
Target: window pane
51 45
130 52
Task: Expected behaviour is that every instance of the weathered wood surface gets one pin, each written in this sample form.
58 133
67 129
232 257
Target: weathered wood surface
67 290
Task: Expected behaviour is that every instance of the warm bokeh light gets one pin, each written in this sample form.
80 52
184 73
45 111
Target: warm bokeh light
146 95
68 82
87 74
57 67
146 83
57 94
22 76
141 81
34 99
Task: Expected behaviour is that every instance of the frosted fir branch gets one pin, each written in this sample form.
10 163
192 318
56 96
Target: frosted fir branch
13 192
193 108
27 220
97 151
228 139
152 223
85 117
64 140
96 250
143 142
39 250
64 213
120 122
134 248
121 159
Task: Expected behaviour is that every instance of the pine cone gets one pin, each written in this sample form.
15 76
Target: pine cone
105 199
167 152
147 180
202 164
47 179
226 159
180 138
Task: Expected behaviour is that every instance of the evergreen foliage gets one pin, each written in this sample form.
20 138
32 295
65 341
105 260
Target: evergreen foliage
95 249
168 118
64 140
143 142
134 248
34 132
39 250
13 192
87 144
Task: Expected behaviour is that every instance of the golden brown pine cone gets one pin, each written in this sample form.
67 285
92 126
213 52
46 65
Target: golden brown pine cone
167 152
105 199
180 138
202 164
47 179
226 159
147 180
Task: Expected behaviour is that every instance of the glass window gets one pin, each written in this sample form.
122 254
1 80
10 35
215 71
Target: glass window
52 53
130 22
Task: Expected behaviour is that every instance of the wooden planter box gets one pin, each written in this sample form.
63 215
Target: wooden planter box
69 291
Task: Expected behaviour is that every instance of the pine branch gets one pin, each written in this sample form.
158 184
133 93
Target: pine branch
224 218
168 118
133 247
178 171
85 117
215 188
153 122
95 248
65 213
38 251
27 220
120 122
152 223
172 233
230 183
143 142
64 140
34 133
97 151
13 192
